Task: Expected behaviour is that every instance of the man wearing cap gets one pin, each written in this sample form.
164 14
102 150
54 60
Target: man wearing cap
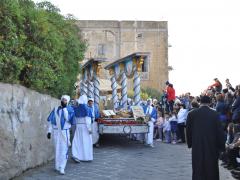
59 123
206 138
181 122
151 112
82 147
94 116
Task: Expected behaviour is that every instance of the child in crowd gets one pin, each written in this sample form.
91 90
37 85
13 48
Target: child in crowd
230 134
232 149
230 138
167 129
159 127
173 124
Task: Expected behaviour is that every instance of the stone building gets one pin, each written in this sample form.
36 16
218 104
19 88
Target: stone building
116 39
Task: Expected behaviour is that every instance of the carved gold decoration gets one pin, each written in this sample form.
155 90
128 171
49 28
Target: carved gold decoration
96 67
122 66
99 66
139 64
111 71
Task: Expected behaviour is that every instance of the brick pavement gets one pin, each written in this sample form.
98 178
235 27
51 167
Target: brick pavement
121 159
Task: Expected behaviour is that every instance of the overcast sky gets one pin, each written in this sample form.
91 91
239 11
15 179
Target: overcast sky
204 34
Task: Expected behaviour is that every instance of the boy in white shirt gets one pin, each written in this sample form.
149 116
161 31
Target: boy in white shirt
167 129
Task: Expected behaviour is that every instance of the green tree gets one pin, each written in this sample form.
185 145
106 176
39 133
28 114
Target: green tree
40 48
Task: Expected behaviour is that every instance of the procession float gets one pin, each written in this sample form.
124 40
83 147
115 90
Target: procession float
121 118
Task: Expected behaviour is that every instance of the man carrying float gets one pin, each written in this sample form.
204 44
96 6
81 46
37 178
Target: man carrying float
151 113
94 110
82 148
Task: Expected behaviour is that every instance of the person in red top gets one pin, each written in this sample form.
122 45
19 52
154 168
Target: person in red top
217 85
170 96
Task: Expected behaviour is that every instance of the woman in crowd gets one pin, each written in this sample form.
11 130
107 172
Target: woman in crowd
217 85
230 137
221 108
236 108
170 96
229 86
232 149
181 120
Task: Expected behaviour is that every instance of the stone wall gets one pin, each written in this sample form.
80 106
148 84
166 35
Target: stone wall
23 128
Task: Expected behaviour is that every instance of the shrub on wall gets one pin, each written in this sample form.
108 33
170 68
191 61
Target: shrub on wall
146 93
151 92
40 48
144 96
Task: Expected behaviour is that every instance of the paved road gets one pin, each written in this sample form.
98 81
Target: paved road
121 159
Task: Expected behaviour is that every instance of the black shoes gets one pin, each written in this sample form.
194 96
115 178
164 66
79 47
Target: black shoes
223 164
236 173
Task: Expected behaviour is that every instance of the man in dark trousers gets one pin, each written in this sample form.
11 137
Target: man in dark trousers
206 138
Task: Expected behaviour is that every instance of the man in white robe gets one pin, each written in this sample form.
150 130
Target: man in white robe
151 112
59 123
95 115
82 147
141 137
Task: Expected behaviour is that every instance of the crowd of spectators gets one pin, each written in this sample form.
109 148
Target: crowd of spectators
227 103
173 111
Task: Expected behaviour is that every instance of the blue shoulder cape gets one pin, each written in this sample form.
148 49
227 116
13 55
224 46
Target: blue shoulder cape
82 110
52 118
153 113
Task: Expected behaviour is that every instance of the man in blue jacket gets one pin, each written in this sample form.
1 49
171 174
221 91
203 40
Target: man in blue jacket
94 115
151 112
59 123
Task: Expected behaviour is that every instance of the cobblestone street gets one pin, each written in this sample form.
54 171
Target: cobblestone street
121 159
